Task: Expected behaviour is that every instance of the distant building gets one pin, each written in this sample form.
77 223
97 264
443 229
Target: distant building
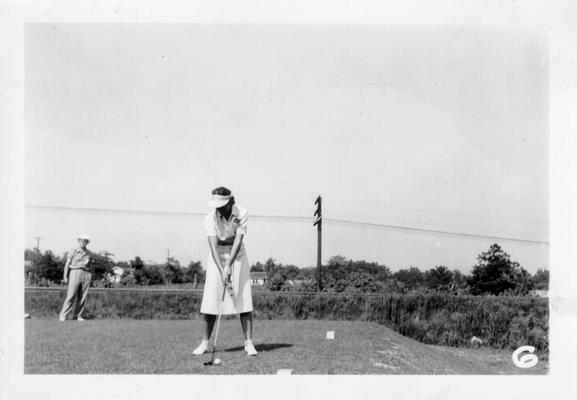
116 275
539 293
257 278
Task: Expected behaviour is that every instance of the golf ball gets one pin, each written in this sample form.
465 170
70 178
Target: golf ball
216 361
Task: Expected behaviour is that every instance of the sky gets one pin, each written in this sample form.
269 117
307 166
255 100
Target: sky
130 126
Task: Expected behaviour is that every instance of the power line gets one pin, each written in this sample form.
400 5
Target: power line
288 218
431 231
153 212
112 210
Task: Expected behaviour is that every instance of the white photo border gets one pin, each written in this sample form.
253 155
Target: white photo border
551 19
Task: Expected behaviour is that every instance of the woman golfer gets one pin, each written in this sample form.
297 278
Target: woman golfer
225 227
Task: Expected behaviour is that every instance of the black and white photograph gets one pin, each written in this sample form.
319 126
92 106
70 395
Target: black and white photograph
217 197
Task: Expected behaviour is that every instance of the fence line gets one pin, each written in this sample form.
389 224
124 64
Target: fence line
170 290
100 289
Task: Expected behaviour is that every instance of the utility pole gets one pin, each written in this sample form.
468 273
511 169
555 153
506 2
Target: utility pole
38 242
319 223
168 256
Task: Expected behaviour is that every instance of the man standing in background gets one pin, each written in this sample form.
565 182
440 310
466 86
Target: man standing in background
78 275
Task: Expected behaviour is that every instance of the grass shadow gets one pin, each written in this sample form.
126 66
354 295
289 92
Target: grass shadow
262 347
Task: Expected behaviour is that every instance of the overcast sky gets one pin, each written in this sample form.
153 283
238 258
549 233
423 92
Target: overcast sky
441 128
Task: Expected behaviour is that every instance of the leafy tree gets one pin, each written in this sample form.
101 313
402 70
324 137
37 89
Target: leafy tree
100 265
382 273
411 278
339 268
337 260
257 267
128 277
541 279
123 264
45 269
276 276
32 255
291 272
277 281
342 275
270 266
523 282
359 282
495 273
138 271
394 286
137 263
50 267
194 273
307 274
459 282
154 274
172 271
439 278
336 270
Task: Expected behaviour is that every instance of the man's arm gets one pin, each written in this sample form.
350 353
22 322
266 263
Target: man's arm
67 266
90 263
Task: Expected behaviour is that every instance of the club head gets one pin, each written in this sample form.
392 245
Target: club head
216 361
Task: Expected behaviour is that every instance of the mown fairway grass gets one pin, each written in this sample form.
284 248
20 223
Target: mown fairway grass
164 347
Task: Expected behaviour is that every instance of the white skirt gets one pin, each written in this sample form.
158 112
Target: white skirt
241 302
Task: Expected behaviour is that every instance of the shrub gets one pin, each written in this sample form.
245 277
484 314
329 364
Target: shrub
501 322
45 268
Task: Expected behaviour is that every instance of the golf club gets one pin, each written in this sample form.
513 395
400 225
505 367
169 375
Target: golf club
212 360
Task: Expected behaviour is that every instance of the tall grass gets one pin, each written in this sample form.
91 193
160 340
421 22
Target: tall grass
501 322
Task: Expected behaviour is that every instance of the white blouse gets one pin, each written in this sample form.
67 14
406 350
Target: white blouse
216 225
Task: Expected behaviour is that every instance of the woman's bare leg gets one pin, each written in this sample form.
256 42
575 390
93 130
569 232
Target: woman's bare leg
208 325
246 322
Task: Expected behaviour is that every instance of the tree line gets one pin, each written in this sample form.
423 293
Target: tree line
47 269
494 273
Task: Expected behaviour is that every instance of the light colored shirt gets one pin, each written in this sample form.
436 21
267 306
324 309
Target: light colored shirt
216 225
79 259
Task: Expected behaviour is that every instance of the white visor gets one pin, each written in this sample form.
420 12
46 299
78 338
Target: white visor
219 200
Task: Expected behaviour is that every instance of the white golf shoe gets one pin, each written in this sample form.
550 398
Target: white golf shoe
201 349
249 348
80 319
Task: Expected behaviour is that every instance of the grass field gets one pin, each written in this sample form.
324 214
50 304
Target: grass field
164 347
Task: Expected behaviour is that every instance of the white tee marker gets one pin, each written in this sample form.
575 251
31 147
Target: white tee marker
284 372
330 335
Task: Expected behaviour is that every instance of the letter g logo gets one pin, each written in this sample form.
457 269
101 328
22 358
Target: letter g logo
526 361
